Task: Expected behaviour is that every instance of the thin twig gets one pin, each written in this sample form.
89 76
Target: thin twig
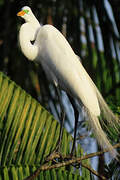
73 160
93 171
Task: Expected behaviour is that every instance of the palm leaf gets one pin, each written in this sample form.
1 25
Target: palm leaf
28 133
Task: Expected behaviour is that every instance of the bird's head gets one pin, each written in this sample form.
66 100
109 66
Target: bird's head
26 14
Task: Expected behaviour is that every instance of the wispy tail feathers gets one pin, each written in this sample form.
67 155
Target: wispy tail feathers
108 117
100 135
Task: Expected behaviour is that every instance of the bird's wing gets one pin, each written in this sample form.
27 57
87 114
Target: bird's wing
58 56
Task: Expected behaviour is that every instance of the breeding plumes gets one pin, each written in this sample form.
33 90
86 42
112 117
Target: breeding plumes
53 52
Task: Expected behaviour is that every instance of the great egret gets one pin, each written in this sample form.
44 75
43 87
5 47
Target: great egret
64 68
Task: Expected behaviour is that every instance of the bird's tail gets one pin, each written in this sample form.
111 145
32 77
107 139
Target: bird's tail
108 115
100 135
108 120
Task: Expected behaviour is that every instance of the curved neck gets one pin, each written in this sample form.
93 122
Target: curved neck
27 34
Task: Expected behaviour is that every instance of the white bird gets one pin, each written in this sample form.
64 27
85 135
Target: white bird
63 67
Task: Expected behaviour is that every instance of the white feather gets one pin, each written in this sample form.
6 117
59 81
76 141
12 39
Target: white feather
63 67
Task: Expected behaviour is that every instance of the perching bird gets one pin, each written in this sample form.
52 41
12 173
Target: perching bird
64 68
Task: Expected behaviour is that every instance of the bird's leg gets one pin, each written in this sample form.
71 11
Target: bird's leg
76 113
62 118
56 153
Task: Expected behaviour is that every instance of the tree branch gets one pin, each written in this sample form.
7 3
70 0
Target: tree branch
93 171
69 161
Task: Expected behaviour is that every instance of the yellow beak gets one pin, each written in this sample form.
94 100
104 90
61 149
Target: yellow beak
21 13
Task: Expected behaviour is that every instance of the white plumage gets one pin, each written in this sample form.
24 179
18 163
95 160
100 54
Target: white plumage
63 67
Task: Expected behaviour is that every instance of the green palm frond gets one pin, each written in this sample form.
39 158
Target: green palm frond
28 133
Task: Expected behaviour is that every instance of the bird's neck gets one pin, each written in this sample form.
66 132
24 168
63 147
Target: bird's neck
28 34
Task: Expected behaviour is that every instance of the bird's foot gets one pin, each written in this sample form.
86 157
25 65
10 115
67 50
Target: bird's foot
53 156
56 154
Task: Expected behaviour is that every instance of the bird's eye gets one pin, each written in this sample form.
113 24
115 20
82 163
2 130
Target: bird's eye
26 11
